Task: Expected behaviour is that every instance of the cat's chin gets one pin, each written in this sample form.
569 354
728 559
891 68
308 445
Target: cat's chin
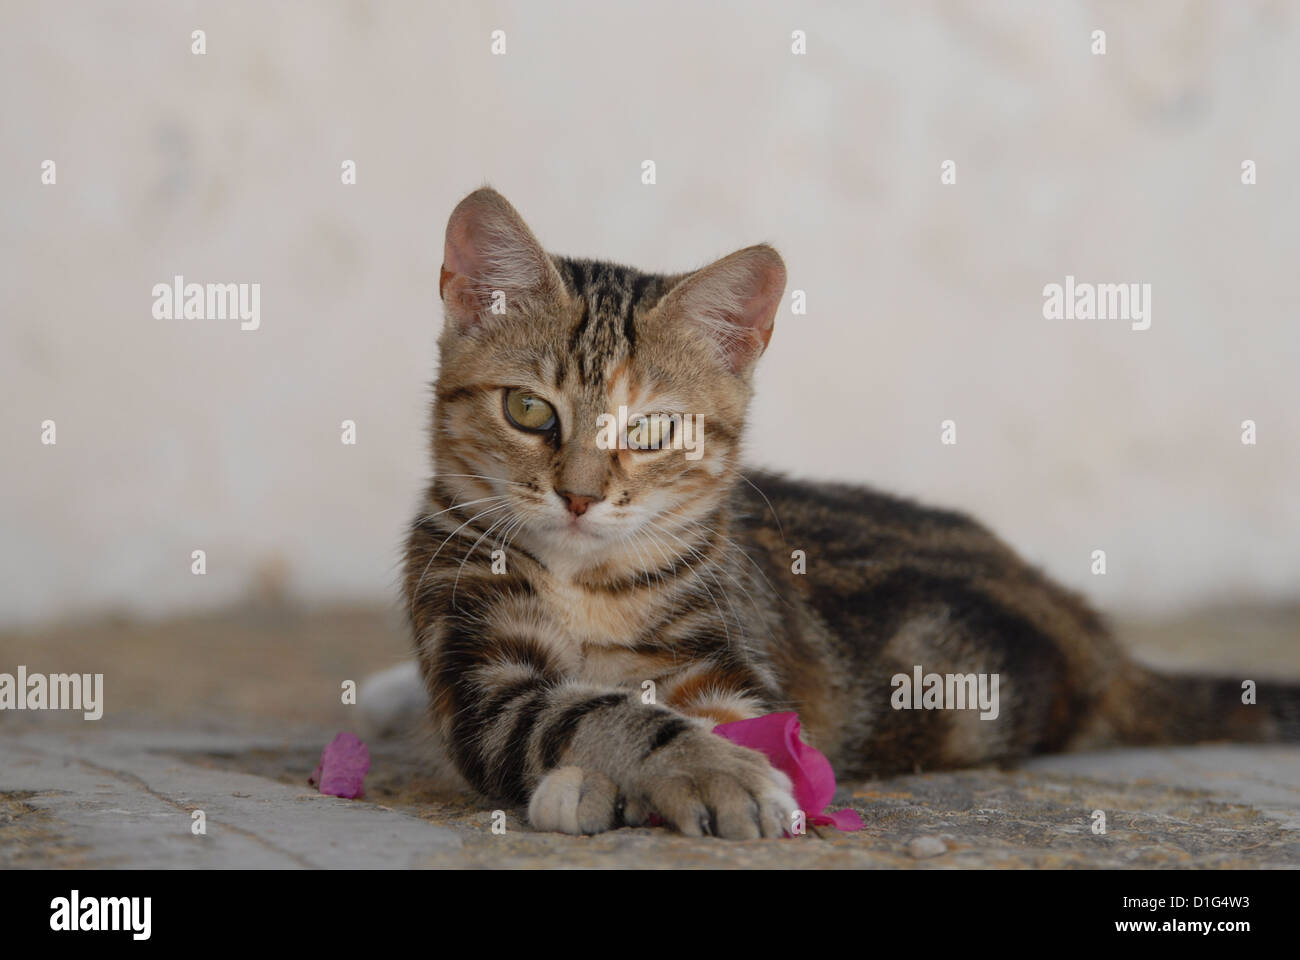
572 549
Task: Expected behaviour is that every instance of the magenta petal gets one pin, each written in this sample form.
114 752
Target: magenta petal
840 820
776 735
344 763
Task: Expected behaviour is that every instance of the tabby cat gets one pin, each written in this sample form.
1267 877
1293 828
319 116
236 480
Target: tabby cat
551 573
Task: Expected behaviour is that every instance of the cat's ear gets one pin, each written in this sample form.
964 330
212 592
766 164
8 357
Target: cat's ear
734 301
490 261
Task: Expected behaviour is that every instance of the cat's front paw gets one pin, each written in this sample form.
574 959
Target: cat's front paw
705 786
573 800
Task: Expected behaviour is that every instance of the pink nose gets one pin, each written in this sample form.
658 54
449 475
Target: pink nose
578 503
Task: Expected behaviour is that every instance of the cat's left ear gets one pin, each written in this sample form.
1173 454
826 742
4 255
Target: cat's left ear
734 301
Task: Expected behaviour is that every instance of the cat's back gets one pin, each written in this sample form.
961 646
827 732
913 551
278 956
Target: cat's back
869 562
849 522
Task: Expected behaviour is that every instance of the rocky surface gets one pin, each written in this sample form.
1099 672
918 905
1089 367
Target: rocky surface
228 717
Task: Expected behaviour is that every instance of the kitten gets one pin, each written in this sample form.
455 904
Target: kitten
551 573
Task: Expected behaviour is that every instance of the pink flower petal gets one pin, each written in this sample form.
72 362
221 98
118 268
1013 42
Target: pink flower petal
343 766
776 735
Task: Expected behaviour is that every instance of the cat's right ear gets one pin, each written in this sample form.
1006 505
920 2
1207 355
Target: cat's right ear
491 260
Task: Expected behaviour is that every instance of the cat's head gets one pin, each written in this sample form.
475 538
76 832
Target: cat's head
603 406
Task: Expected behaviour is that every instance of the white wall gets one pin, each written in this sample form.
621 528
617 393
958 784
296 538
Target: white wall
925 301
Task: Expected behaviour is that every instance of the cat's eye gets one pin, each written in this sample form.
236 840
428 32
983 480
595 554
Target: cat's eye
653 432
528 411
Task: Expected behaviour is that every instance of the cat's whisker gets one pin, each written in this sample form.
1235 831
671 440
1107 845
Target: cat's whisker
739 549
423 518
456 506
641 560
727 572
771 508
512 532
711 567
667 554
478 476
468 553
499 542
452 534
702 568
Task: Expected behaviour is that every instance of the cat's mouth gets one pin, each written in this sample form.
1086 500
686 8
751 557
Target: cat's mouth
570 534
595 531
579 529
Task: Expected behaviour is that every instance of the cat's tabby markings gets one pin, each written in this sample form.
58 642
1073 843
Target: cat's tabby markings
629 565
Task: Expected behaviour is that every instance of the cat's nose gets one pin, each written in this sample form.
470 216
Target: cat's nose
578 502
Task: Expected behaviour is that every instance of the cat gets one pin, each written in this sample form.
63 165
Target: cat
551 573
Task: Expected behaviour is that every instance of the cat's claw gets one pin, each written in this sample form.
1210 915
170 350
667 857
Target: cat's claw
706 786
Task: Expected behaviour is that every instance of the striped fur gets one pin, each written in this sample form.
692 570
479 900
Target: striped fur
680 574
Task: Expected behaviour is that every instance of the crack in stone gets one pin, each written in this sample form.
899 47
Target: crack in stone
131 778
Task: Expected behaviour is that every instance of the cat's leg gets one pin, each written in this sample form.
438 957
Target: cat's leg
712 787
392 701
714 692
514 723
698 782
710 692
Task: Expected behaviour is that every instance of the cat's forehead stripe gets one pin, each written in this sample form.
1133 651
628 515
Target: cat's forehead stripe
608 295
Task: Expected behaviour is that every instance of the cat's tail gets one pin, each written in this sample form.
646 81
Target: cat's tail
1146 707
